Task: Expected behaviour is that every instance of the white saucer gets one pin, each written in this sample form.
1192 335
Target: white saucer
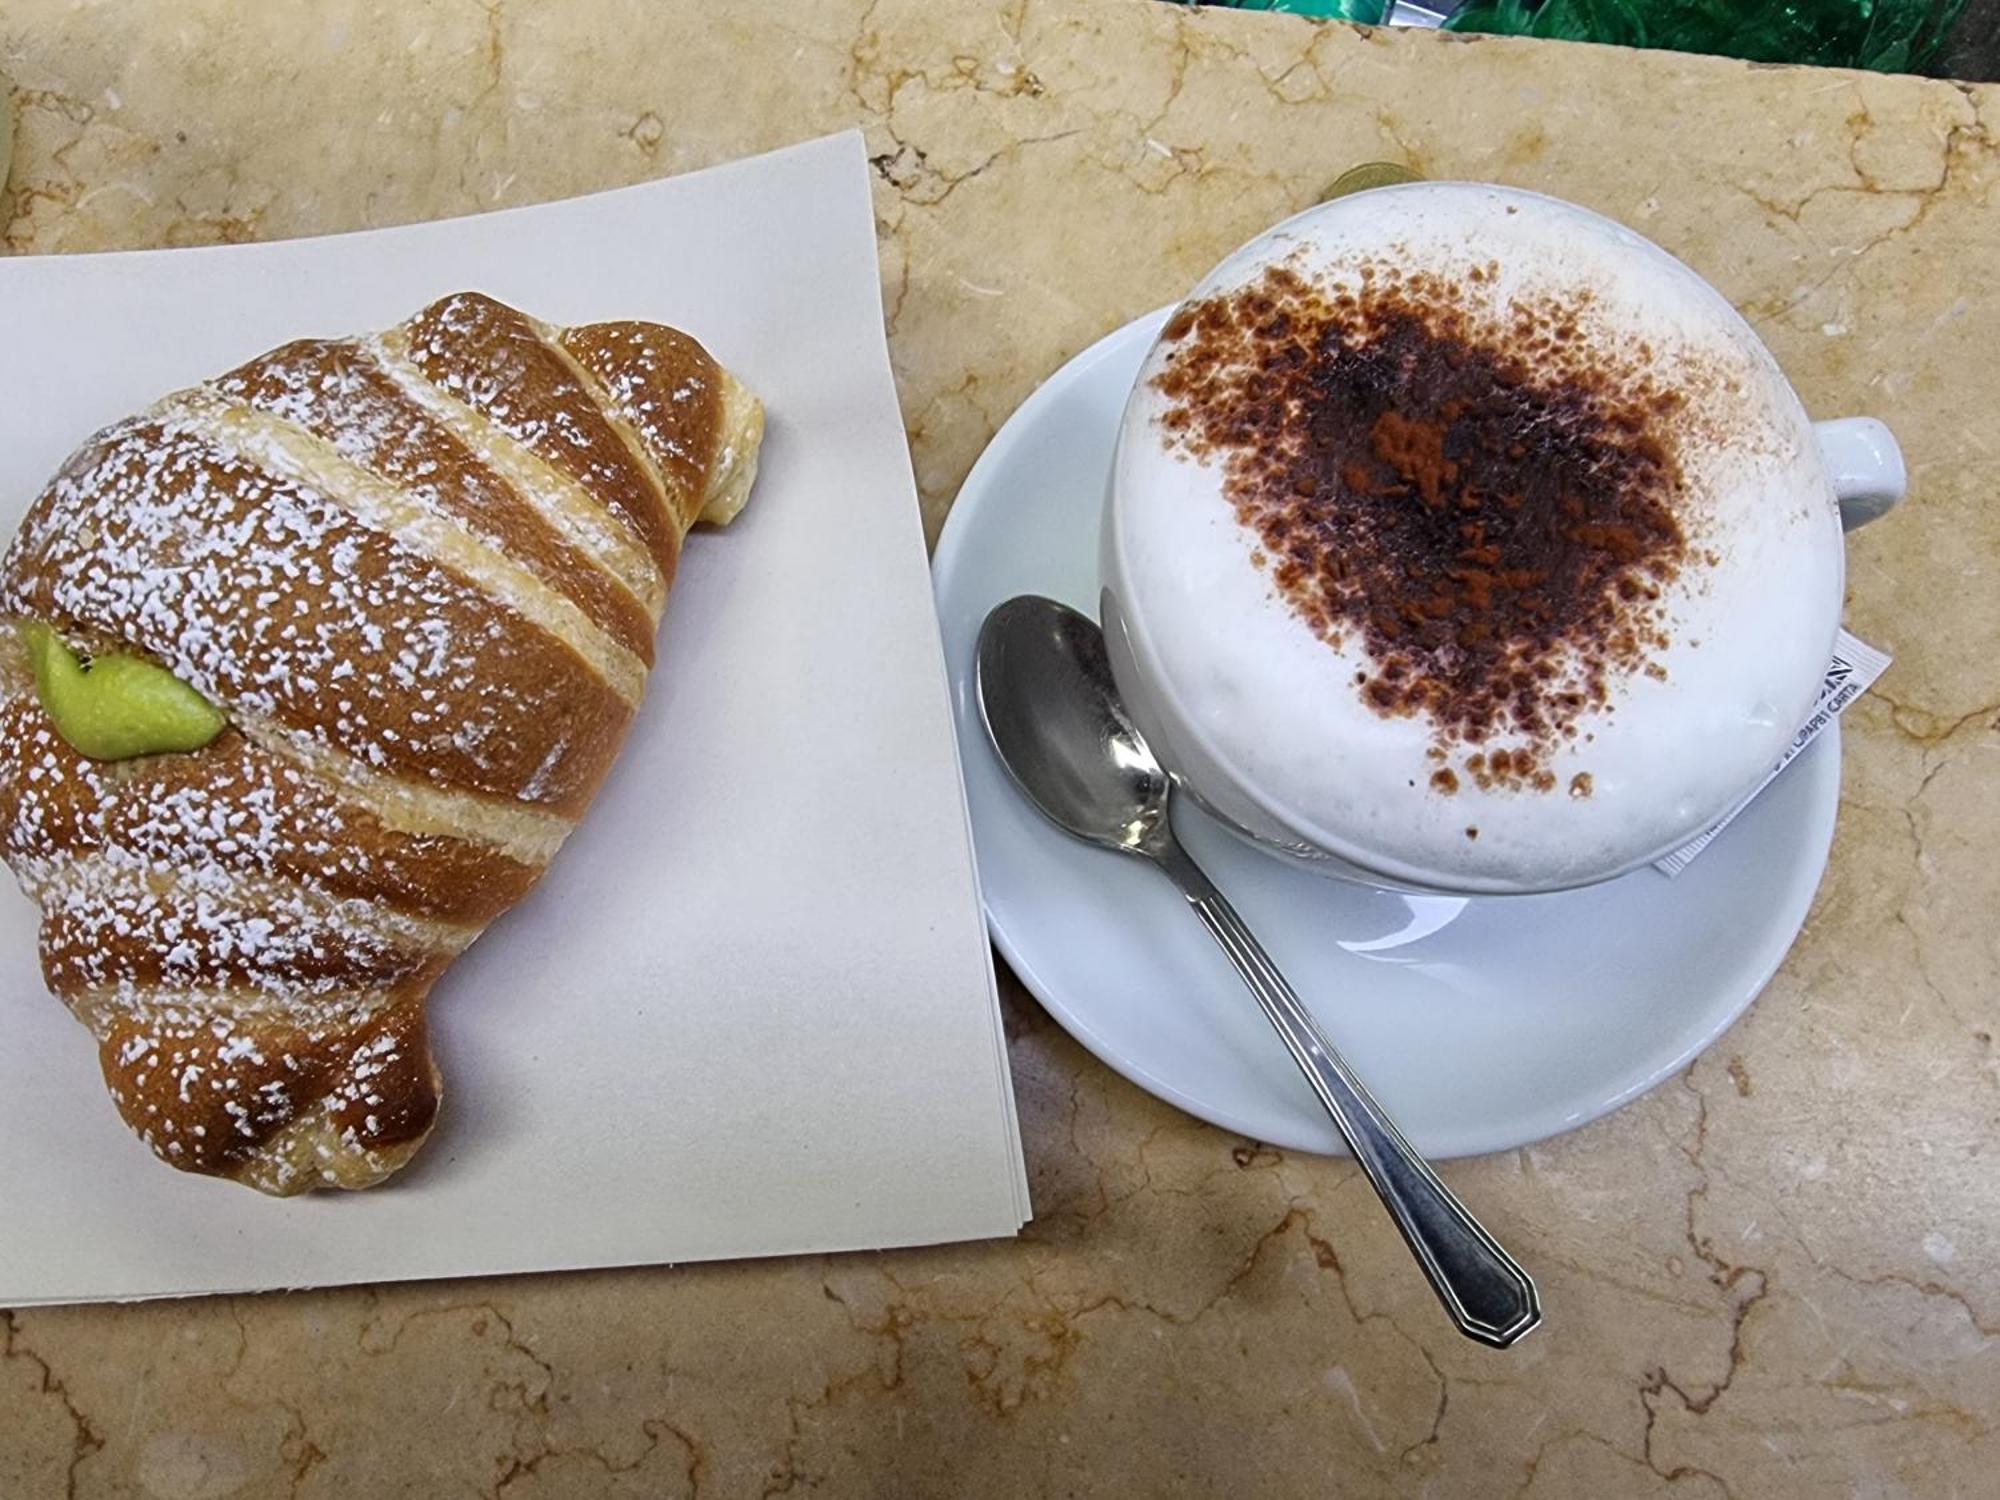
1481 1023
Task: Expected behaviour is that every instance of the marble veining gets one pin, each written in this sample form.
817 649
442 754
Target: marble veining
1773 1276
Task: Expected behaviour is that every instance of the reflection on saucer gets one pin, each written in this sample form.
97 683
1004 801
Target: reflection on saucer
1420 917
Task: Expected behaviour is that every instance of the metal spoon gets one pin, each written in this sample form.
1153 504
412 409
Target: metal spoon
1046 694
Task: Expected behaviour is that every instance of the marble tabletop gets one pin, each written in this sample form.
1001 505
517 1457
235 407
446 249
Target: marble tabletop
1773 1276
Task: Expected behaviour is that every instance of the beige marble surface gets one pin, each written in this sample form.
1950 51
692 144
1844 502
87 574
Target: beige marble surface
1775 1276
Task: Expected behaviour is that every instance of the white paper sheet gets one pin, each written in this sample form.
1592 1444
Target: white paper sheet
751 1008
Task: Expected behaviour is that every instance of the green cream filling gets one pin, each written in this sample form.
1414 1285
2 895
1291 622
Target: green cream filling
117 706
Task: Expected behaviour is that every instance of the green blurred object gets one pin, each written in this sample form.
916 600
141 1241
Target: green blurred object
1370 174
1365 12
1889 36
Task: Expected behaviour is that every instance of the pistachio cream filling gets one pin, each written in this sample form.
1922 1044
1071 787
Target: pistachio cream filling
117 706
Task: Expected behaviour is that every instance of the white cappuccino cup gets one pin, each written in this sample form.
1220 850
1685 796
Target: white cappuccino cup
1459 538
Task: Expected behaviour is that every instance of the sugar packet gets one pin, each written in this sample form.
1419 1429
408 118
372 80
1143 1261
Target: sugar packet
1854 668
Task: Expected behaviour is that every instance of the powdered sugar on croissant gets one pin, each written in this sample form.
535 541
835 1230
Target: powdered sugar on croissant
421 573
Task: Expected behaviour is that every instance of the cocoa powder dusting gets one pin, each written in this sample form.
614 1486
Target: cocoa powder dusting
1490 508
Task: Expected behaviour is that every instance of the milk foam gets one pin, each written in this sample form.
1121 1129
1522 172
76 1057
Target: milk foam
1277 707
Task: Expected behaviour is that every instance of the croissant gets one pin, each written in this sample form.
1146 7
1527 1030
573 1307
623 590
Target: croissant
419 575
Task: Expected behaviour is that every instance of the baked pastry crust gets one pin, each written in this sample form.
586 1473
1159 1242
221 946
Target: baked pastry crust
421 572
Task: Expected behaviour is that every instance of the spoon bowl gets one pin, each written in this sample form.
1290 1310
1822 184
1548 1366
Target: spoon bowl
1046 697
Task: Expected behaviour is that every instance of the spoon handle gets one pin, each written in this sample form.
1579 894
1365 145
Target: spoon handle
1486 1293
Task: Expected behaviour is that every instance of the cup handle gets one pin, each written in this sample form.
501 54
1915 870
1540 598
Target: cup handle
1865 467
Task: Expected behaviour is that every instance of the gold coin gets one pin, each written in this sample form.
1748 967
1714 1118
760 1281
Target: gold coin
1370 174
